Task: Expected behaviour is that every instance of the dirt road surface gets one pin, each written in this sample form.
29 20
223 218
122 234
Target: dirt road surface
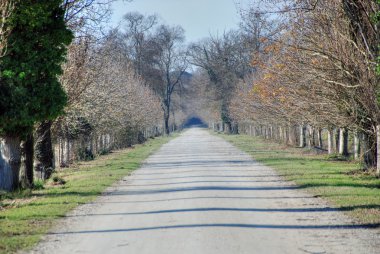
199 194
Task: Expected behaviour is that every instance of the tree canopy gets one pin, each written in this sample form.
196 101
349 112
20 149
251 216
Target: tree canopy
30 89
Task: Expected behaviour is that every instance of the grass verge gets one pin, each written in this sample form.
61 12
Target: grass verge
26 216
340 182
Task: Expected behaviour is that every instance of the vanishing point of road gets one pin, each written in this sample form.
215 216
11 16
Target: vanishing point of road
199 194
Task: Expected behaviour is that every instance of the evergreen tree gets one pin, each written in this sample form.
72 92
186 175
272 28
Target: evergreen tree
29 87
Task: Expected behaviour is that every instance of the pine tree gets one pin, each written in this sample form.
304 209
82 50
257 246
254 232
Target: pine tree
29 90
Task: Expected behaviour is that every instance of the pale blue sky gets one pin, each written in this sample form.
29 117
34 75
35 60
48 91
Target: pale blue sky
199 18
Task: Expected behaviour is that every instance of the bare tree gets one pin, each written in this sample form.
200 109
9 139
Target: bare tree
136 33
171 63
226 60
319 73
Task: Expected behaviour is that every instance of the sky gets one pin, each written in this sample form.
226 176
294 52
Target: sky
199 18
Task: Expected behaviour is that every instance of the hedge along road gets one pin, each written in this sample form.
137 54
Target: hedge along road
199 194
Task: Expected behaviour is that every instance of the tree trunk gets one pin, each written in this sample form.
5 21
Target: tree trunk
228 128
271 132
166 121
235 128
292 136
302 136
310 136
10 163
320 141
65 152
378 150
343 142
93 144
330 141
99 143
356 146
61 151
266 132
369 150
27 157
44 159
337 140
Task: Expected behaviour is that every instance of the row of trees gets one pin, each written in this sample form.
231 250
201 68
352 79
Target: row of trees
226 61
301 71
322 72
68 90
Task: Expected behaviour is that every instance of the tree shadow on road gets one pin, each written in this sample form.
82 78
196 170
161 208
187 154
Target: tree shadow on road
231 209
224 225
203 188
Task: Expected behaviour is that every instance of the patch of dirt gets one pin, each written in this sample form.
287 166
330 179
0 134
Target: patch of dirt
14 203
374 211
362 172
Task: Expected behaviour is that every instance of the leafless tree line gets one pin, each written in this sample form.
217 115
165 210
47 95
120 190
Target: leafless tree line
302 72
109 104
314 82
227 62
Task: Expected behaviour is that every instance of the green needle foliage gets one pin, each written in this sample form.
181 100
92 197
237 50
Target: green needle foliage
29 88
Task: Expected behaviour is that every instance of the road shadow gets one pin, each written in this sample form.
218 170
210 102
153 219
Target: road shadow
224 225
196 182
202 188
221 209
210 163
231 209
203 176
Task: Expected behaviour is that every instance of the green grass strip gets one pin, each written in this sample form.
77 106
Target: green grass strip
26 216
339 182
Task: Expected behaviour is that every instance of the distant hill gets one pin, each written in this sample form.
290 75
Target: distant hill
186 79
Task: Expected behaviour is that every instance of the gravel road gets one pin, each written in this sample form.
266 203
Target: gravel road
199 194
